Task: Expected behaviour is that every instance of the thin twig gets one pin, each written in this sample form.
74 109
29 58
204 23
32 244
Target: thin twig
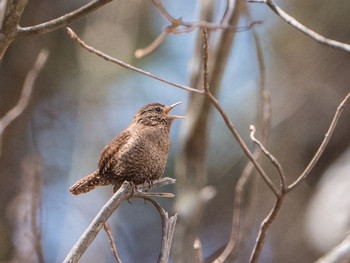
323 145
141 52
62 21
273 160
107 210
111 241
74 36
27 89
299 26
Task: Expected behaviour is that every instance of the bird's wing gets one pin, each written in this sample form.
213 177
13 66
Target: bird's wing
111 151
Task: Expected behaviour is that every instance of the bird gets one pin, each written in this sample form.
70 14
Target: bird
137 155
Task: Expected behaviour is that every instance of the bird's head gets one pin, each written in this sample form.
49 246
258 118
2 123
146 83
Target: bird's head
156 114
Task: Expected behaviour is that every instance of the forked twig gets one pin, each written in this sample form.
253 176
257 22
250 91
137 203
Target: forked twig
279 200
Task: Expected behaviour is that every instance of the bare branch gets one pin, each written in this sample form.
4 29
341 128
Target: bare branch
266 223
273 160
299 26
62 21
111 241
107 210
323 145
27 89
339 254
9 23
74 36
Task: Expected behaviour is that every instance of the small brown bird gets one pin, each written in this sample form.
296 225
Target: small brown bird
138 154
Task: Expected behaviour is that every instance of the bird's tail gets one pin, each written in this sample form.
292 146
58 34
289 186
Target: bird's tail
85 184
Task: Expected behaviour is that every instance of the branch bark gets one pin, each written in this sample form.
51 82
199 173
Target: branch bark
13 13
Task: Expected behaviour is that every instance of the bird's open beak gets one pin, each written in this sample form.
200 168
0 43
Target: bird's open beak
169 108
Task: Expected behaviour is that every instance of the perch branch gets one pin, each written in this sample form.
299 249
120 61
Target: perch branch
74 36
111 241
27 89
107 210
299 26
61 21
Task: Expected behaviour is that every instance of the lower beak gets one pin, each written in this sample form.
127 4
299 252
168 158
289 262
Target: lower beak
169 108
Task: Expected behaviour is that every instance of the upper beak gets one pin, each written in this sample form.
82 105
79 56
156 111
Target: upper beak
169 108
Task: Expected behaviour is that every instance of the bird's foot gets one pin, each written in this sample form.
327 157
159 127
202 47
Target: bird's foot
133 190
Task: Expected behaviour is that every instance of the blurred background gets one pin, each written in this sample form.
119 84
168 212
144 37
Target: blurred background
80 102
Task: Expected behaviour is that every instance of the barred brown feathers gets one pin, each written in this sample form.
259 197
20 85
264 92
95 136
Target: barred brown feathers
138 154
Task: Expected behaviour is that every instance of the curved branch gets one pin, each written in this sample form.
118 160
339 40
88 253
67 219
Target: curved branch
27 89
124 193
323 145
299 26
61 21
168 228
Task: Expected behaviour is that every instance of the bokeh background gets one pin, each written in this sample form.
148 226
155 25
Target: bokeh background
80 102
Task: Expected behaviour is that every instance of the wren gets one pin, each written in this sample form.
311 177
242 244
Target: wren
137 155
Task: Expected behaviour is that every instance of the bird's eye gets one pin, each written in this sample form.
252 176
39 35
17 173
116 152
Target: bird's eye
157 109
